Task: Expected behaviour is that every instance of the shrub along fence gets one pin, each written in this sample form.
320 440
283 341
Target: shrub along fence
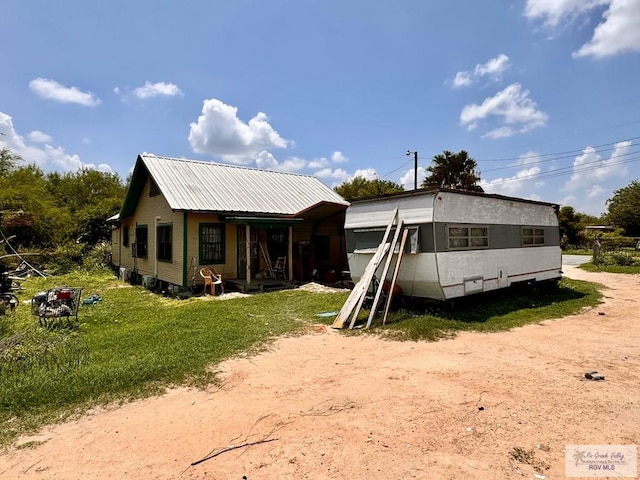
623 251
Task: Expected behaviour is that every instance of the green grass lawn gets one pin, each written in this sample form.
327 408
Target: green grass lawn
134 343
631 270
490 312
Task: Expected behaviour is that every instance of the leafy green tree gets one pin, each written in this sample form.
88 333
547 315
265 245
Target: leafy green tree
360 187
90 197
624 209
453 170
569 225
8 160
29 210
573 226
50 210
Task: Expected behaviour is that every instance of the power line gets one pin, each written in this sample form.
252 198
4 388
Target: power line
509 167
555 156
596 164
568 152
394 171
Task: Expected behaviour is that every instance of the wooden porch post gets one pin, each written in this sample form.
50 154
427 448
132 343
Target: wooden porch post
290 253
248 253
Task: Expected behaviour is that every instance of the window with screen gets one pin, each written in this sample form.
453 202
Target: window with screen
142 236
467 237
165 246
125 236
211 243
532 237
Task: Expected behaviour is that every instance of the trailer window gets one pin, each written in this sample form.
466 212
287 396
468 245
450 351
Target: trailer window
468 237
532 237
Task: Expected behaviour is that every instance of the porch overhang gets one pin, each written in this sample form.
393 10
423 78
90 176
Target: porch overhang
263 221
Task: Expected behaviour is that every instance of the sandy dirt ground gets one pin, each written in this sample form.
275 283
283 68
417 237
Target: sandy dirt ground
328 406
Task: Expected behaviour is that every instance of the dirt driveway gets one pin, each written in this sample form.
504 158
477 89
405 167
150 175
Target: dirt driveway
485 406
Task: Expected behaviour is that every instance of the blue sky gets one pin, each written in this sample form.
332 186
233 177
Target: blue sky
542 93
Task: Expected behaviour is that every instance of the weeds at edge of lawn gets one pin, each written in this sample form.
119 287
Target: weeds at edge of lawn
491 312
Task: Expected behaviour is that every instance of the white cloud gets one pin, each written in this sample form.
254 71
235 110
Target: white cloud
528 158
511 106
514 185
266 161
554 12
618 33
501 132
525 179
52 90
293 164
46 156
219 131
595 177
590 170
408 179
338 157
318 163
333 174
462 79
39 137
366 173
322 163
493 68
159 89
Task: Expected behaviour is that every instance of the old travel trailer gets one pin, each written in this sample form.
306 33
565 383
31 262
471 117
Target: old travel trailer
458 243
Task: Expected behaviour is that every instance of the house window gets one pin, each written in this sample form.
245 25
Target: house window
165 245
211 243
142 236
125 236
532 237
153 188
467 238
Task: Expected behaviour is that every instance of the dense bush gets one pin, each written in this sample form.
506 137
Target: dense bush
99 257
65 258
621 258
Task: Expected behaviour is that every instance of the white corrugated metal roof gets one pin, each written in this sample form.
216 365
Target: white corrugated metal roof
206 186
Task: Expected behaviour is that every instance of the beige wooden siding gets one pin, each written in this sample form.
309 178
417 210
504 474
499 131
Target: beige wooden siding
115 246
147 210
228 269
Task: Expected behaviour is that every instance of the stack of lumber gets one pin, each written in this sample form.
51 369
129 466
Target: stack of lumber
385 250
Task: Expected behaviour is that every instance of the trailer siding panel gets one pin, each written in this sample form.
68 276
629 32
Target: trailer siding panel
452 207
442 273
413 210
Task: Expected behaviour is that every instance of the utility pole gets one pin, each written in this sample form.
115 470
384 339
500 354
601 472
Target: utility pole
415 168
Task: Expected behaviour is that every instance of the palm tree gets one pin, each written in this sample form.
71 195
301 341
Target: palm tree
453 170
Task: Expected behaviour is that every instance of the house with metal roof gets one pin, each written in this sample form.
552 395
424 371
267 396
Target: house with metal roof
246 224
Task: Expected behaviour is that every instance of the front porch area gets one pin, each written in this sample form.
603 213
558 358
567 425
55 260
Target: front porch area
260 285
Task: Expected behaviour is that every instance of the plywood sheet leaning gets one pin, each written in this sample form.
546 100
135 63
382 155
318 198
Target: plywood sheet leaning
267 260
383 276
365 286
360 289
405 234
